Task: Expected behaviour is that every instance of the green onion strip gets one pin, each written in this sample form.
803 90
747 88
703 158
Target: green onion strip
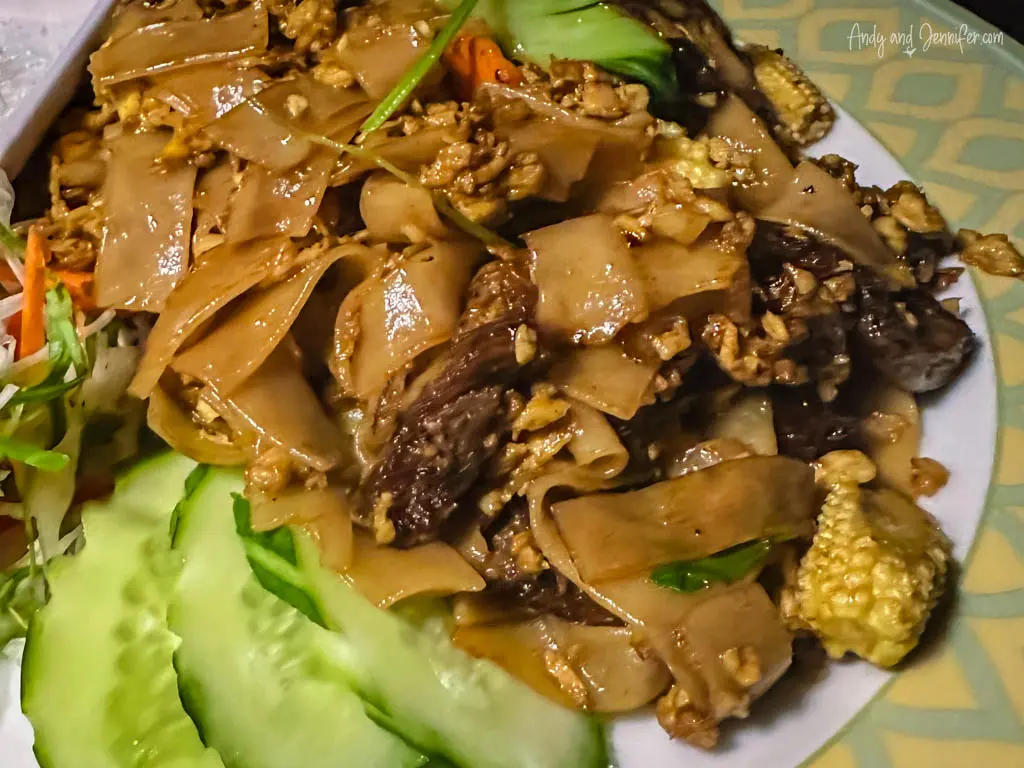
401 92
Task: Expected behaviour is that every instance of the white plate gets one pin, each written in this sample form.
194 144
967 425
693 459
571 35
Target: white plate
795 719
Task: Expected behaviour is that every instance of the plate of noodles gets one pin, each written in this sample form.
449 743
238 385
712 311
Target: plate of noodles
494 383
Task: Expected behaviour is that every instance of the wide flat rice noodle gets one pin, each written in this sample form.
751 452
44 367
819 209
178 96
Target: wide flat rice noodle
225 274
614 675
131 16
737 74
618 155
564 152
406 152
333 536
276 407
739 614
687 453
589 285
322 104
232 352
271 203
295 505
815 201
171 45
740 127
615 535
605 378
395 212
595 444
498 95
146 242
634 195
254 135
323 512
413 307
671 271
385 575
267 131
203 94
380 62
170 421
638 602
214 190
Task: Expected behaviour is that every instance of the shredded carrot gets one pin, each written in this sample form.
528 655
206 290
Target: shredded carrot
6 273
33 331
14 327
80 285
473 60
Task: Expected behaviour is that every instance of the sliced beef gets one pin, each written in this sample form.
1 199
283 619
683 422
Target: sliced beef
654 425
523 584
807 428
479 356
550 592
456 423
909 337
825 348
500 291
433 460
775 245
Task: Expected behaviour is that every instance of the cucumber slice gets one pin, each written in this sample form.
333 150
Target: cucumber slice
449 704
98 681
246 665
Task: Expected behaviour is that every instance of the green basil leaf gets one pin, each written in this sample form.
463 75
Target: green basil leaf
274 561
726 567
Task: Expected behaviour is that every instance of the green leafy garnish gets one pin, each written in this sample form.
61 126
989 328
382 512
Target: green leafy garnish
66 349
539 30
10 240
45 392
61 334
726 567
33 455
401 92
274 560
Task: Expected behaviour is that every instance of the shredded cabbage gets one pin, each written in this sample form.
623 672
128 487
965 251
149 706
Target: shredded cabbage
10 243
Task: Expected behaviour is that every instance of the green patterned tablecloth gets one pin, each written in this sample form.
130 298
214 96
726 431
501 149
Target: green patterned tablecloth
948 101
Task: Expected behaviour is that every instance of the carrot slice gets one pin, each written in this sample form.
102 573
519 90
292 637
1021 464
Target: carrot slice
474 60
81 286
33 331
